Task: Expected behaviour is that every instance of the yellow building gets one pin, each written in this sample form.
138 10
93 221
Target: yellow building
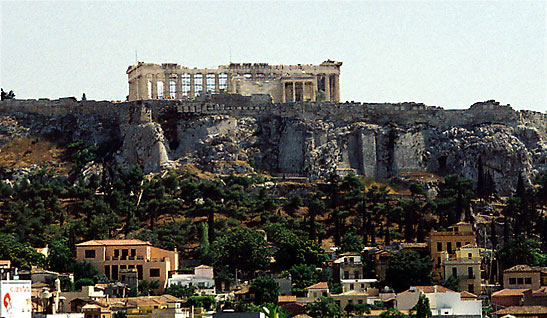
112 257
465 265
458 235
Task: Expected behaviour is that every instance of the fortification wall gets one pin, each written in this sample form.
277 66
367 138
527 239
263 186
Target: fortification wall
378 113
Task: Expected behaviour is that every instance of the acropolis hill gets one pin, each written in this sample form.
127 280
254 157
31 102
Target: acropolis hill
228 132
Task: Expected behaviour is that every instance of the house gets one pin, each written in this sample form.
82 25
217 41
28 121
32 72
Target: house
96 311
290 304
111 257
465 265
316 291
535 297
523 312
443 302
228 314
203 279
458 235
382 258
507 297
522 276
352 297
348 265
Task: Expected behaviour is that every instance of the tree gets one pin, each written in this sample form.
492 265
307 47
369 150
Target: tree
180 291
405 262
452 283
392 313
422 307
294 203
59 257
265 290
324 307
21 255
351 242
521 251
207 302
242 248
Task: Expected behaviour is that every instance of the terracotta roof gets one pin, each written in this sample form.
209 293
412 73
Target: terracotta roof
286 299
465 295
521 268
510 292
520 310
431 289
320 285
113 242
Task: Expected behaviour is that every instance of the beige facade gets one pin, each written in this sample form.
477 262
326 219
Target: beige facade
522 276
466 266
284 83
457 236
113 257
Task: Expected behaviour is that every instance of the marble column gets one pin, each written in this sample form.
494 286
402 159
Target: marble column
154 87
217 83
178 87
327 87
166 94
337 88
192 92
204 82
294 91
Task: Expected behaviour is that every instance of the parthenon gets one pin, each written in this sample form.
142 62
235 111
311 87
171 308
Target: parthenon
284 83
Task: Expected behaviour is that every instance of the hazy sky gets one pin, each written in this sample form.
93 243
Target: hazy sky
449 54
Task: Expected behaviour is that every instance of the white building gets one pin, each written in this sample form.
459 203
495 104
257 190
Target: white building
203 279
442 301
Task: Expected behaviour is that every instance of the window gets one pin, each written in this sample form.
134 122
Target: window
185 84
439 246
198 84
346 274
123 267
160 89
528 280
154 272
172 89
362 286
211 83
116 253
133 252
351 260
458 244
455 271
512 281
223 81
469 255
520 280
471 288
449 247
470 272
107 271
314 295
351 287
356 274
89 253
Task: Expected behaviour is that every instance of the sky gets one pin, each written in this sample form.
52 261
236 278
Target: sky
444 53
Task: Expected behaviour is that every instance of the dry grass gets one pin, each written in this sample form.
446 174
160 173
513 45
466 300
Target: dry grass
27 151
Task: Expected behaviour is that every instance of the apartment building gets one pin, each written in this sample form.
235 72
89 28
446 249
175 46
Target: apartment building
465 265
457 236
116 257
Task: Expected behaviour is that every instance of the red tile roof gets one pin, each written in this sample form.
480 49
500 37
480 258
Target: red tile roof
465 295
521 310
510 292
320 285
431 289
286 299
113 242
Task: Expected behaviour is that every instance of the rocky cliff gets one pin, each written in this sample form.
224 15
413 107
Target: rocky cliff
307 139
